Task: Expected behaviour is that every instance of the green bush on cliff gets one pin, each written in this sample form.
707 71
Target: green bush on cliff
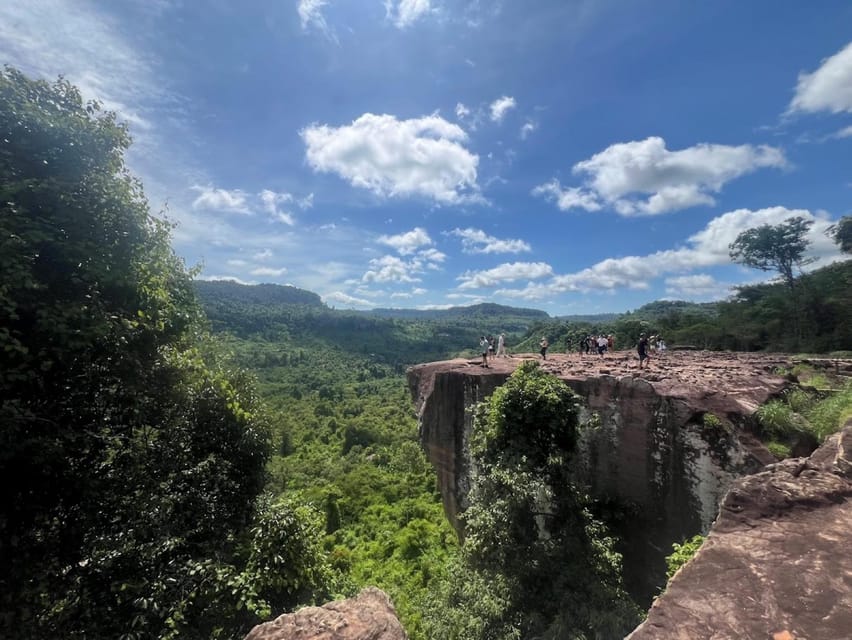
547 567
682 553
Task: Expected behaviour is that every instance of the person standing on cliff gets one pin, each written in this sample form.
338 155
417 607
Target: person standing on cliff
501 346
642 348
483 346
543 344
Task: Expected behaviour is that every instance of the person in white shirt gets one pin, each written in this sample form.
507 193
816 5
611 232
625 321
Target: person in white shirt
501 346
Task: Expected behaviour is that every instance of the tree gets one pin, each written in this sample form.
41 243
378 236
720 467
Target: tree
131 458
842 233
774 248
542 565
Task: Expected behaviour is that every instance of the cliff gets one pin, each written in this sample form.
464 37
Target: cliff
651 452
776 563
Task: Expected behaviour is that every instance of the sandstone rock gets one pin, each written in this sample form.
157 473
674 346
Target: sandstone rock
652 453
777 562
370 616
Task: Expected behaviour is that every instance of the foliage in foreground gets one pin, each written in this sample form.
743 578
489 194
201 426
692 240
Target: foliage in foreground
535 563
130 462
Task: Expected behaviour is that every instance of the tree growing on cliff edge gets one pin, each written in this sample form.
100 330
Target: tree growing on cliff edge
774 248
129 462
535 563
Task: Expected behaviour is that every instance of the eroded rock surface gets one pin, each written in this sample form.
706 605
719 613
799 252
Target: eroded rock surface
370 616
653 454
777 562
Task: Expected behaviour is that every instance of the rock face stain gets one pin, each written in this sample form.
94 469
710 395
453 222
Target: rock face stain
646 449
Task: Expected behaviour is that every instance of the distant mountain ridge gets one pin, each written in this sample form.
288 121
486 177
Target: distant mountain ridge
484 309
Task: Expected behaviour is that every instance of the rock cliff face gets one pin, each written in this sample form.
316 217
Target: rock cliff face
777 562
370 616
651 452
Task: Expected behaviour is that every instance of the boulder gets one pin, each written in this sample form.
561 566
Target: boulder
369 616
777 562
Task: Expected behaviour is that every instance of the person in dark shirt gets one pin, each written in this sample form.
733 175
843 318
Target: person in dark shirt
642 348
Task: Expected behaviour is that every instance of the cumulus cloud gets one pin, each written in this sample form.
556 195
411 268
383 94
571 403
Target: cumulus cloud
269 271
461 111
829 88
500 107
570 198
477 241
407 243
397 158
699 285
265 254
391 269
508 272
404 13
229 201
706 248
346 300
673 180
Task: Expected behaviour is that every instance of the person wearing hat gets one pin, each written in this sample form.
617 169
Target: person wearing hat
642 348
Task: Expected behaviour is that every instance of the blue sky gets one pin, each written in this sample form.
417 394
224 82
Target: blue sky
572 156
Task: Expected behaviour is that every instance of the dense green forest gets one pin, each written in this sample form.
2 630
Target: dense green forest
184 459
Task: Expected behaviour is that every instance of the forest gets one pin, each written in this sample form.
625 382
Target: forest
185 459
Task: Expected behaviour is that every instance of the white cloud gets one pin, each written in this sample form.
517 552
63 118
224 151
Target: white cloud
220 278
699 285
845 132
527 129
229 201
53 37
269 271
404 13
570 198
265 254
432 258
271 200
674 179
477 241
829 88
500 106
508 272
311 16
391 269
346 300
461 111
706 248
397 158
236 262
407 243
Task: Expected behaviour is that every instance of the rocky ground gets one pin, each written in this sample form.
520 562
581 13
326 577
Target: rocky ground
676 373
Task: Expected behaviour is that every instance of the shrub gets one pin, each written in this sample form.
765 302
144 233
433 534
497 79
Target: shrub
778 419
829 415
779 449
682 553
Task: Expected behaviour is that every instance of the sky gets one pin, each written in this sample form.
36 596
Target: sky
574 156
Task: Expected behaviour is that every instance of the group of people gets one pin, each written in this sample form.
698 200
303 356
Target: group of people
486 345
602 343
